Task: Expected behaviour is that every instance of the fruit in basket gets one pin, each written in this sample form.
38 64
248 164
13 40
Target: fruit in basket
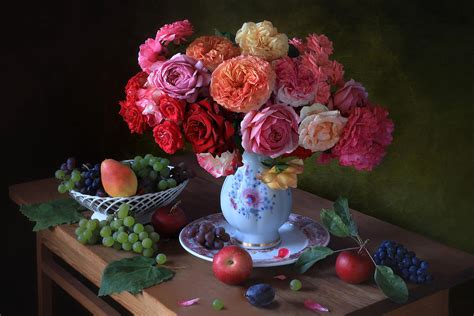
354 267
168 221
232 265
83 178
118 179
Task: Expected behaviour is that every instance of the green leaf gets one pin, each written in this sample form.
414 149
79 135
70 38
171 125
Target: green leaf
391 285
228 35
310 256
341 207
52 213
132 275
334 223
268 162
280 167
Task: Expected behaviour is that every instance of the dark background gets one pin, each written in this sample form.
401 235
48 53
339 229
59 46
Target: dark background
65 65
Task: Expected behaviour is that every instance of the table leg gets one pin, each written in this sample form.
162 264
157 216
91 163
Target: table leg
44 282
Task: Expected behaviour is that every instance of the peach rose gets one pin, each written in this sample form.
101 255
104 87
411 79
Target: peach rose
319 132
212 50
243 83
262 40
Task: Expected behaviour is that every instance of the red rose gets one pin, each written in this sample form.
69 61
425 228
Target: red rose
133 116
168 136
135 83
206 128
300 152
172 109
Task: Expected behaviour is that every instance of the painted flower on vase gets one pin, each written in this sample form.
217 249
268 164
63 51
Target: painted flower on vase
270 132
262 40
212 50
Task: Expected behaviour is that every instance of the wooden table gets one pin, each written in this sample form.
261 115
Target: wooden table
449 266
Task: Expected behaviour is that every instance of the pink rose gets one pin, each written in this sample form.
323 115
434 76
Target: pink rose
271 132
220 165
175 32
295 82
151 54
365 138
181 77
347 98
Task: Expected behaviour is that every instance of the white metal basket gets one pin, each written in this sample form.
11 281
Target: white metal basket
141 205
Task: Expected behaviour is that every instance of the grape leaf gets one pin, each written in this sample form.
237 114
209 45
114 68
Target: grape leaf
52 213
132 275
334 223
391 285
341 207
310 256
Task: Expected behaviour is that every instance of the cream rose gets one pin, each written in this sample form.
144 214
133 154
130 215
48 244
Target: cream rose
315 108
262 40
319 132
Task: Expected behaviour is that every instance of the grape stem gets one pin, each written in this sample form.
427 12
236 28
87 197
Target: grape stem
345 249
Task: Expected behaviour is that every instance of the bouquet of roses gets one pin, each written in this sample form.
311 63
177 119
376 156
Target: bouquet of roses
256 91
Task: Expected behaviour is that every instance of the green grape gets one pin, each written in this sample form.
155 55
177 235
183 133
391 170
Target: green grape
122 229
152 161
83 222
142 235
127 246
108 241
133 238
148 156
148 252
92 224
117 245
87 234
171 183
155 237
110 218
153 175
115 235
122 237
76 175
69 185
137 159
162 185
147 243
105 231
138 228
129 221
79 230
217 304
161 258
81 239
146 161
165 161
62 188
93 240
137 247
143 173
165 172
158 166
117 224
102 223
59 174
295 285
123 211
149 228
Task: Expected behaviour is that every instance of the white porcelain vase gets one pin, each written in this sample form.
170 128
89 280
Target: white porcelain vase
255 211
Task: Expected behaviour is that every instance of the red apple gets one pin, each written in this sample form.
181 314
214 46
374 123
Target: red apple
232 265
168 221
353 267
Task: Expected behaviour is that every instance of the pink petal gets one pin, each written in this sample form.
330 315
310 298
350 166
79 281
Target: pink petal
282 253
314 306
189 302
280 277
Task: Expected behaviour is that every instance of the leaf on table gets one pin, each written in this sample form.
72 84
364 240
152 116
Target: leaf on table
341 207
190 302
310 256
53 213
315 306
391 284
132 275
334 224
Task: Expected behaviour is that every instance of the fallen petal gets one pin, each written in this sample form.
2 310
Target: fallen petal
282 253
280 277
314 306
189 302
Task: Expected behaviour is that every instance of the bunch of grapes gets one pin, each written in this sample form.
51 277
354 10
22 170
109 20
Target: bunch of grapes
120 231
84 178
208 235
403 262
154 174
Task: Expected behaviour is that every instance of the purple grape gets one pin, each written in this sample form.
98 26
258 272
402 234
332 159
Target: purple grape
210 237
201 237
225 237
218 244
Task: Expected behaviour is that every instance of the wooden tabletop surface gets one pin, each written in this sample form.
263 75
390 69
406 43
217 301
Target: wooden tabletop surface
195 279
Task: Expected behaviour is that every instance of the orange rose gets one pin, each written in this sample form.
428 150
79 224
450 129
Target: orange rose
212 50
243 83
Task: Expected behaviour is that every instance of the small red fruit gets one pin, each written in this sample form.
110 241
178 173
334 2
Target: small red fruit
168 221
232 265
353 267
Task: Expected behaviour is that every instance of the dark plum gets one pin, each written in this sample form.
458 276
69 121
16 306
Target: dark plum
260 295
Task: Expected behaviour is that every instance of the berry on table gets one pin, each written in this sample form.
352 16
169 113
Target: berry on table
217 304
295 285
161 258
